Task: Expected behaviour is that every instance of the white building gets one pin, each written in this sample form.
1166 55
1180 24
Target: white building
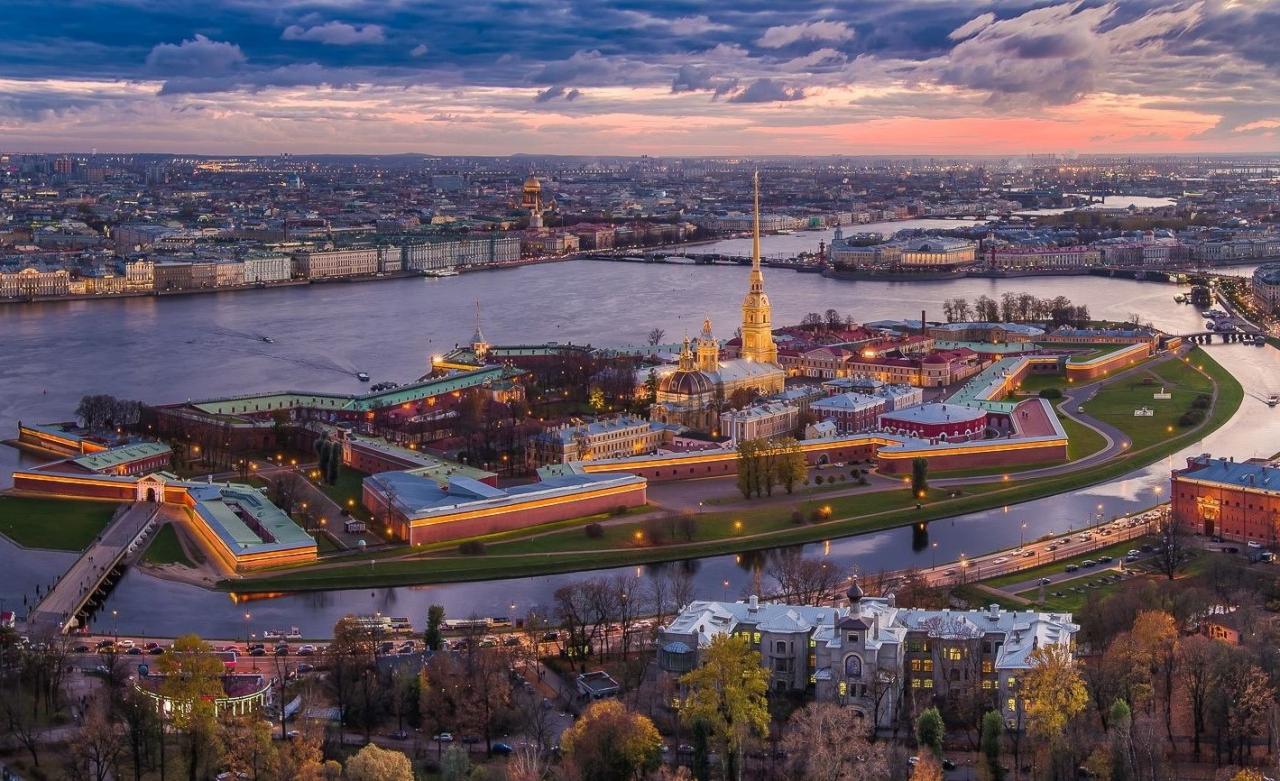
267 268
760 421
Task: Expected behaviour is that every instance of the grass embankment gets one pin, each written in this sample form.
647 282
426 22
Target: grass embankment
57 524
1115 403
1082 441
535 552
165 548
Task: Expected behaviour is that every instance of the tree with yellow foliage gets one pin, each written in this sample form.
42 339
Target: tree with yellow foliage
727 696
611 743
378 764
1052 691
192 681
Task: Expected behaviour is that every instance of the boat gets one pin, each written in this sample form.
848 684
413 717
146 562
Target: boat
1259 341
1180 299
294 633
272 634
268 340
362 376
444 272
1273 399
784 232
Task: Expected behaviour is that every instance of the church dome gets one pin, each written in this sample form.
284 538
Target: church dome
532 183
686 383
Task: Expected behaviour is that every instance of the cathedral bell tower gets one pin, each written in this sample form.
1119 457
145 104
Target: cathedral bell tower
757 314
708 349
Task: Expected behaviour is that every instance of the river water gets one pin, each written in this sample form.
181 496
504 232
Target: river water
178 348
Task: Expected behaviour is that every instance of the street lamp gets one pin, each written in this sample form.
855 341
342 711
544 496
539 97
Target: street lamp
115 624
935 555
246 630
1022 533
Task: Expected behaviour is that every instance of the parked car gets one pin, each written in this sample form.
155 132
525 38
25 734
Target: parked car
1088 563
1071 568
501 749
443 737
1106 559
306 650
1045 581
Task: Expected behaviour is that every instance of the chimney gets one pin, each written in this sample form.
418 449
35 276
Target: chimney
754 604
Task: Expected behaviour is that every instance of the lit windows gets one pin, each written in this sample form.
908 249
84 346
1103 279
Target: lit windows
955 654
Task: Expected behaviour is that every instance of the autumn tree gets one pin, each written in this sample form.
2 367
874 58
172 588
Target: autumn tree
611 743
727 695
349 657
378 764
1051 692
928 768
192 680
827 742
247 747
789 464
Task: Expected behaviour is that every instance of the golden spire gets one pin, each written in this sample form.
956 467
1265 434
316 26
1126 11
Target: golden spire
757 277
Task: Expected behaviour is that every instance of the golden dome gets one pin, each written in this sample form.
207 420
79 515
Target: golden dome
532 183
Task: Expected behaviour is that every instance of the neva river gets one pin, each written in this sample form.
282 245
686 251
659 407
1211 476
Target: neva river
172 349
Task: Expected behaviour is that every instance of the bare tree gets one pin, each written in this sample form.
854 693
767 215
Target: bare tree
655 337
1175 547
810 581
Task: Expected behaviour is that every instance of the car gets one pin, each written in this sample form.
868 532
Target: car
1130 559
135 651
1133 552
282 650
1028 554
155 651
1066 539
387 646
1071 568
550 637
399 735
684 748
81 649
305 668
948 764
501 749
154 644
1045 581
126 643
1088 563
105 644
512 640
259 651
405 650
306 650
443 737
488 642
1000 560
1253 544
1086 537
1147 548
1106 559
1052 548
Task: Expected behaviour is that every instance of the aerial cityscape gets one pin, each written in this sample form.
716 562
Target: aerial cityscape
561 391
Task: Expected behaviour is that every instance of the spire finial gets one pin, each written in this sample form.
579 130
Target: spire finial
755 222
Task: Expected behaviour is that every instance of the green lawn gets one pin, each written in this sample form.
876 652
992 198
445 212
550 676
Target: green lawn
531 552
1081 440
59 524
1116 402
324 544
165 548
347 492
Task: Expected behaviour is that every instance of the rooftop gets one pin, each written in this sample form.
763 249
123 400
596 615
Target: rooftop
232 511
936 414
107 459
1241 474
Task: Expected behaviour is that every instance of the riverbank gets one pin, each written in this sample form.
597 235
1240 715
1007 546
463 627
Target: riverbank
718 533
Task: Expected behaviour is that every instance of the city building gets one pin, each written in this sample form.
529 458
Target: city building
136 458
417 509
371 456
937 422
32 282
937 252
879 659
1222 497
469 251
266 268
760 421
1007 259
851 412
323 264
604 438
1266 287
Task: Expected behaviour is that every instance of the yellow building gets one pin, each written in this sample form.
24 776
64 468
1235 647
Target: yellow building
694 393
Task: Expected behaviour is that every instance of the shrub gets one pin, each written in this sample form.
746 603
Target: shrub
817 479
471 548
655 531
1203 401
594 530
619 510
855 472
1050 393
797 517
1192 417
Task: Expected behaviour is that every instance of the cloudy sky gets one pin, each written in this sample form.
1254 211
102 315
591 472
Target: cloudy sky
657 77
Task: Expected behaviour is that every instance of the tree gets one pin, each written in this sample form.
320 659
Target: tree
247 747
1197 660
378 764
992 729
1175 547
930 730
1155 637
192 681
927 769
349 658
748 467
1121 723
96 751
919 477
611 743
300 759
455 765
727 695
433 637
807 580
1052 691
789 465
655 337
827 742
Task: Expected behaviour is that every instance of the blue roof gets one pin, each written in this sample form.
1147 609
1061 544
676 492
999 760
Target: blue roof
1243 474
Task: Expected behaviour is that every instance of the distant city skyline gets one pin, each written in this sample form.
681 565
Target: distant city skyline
669 77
